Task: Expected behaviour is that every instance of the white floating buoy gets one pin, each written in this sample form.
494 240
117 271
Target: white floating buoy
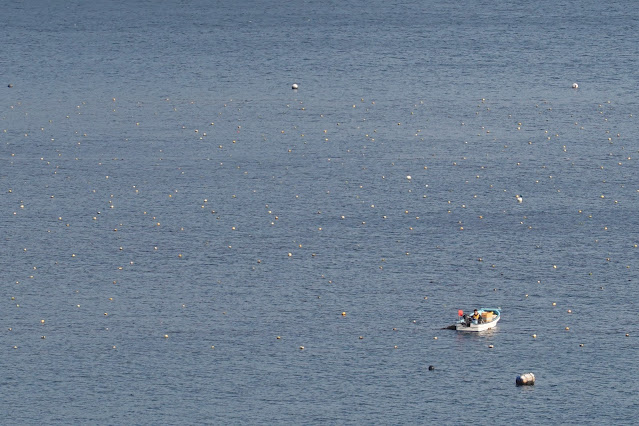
295 86
575 86
525 379
520 199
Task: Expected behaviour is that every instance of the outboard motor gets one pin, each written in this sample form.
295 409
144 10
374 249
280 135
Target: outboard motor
467 320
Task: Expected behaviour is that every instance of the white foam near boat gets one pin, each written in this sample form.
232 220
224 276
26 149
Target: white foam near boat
489 317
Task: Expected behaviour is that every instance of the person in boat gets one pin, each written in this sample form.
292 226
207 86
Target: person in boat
476 316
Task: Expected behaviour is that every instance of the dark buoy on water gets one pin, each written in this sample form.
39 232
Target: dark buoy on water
525 379
431 367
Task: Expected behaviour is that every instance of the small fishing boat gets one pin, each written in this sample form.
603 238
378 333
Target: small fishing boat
488 318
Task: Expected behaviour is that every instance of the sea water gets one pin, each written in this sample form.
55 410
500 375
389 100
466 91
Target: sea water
185 239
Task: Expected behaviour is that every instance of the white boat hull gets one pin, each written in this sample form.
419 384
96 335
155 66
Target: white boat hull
461 326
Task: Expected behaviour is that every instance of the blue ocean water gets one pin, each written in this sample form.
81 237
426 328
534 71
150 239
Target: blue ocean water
177 223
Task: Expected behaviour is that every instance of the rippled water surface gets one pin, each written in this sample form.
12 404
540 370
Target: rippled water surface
185 239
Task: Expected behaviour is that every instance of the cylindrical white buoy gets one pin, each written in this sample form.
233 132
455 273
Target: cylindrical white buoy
295 86
575 86
525 379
